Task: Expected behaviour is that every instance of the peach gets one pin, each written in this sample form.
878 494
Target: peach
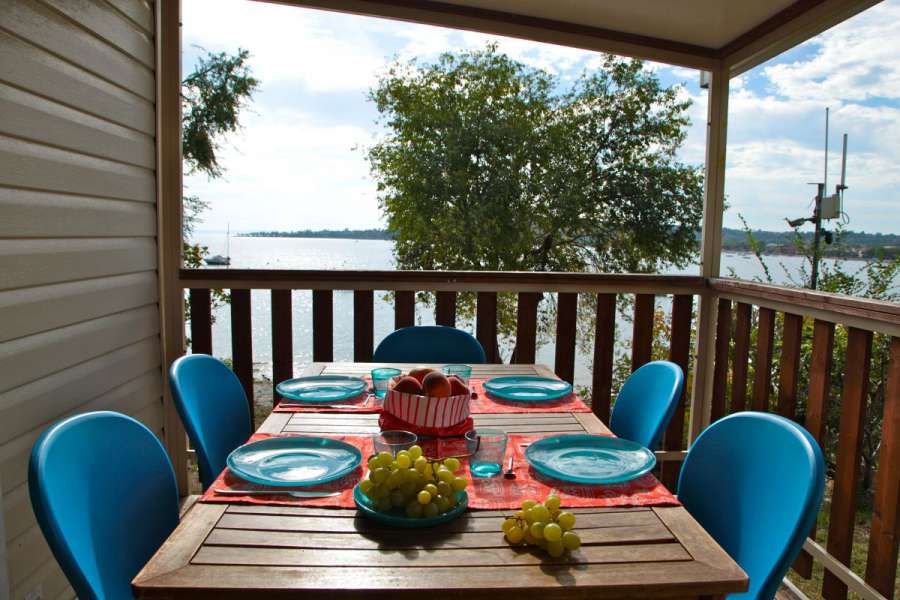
420 372
408 385
436 385
457 387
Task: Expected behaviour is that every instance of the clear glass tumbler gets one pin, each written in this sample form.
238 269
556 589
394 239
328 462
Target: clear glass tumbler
464 372
381 378
394 441
487 447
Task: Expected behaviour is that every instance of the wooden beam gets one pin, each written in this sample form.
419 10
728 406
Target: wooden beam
168 209
486 324
201 321
363 324
323 325
566 328
762 371
789 372
404 309
445 309
710 249
242 342
794 25
282 340
739 369
526 328
720 375
604 355
642 330
484 20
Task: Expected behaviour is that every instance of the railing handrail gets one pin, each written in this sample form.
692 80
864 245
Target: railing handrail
451 281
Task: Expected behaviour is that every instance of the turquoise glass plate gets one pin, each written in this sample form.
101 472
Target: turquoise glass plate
322 388
589 458
396 517
294 461
527 388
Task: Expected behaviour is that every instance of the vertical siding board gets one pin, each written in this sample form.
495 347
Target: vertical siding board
642 335
282 340
881 567
741 357
789 372
363 325
762 380
242 342
604 351
526 328
846 478
566 322
201 321
323 325
486 324
679 353
404 309
445 309
720 372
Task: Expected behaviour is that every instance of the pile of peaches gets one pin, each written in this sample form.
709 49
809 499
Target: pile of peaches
423 381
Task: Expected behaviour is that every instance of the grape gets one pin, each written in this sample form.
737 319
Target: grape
378 491
540 513
385 458
444 489
420 464
571 540
530 516
374 463
428 471
398 498
424 497
403 461
379 475
526 504
414 510
515 535
394 479
529 539
415 452
537 530
443 503
365 486
431 489
445 476
519 514
566 520
552 532
459 483
555 549
509 524
452 464
430 510
393 466
384 504
552 503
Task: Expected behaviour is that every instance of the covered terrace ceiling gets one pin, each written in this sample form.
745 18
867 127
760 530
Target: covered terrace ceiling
703 34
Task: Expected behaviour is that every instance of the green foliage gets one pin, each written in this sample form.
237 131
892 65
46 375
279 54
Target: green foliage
488 164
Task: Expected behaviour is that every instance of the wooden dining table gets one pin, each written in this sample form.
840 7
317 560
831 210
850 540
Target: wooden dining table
234 550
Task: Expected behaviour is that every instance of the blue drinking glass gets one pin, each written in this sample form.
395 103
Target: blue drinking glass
381 377
487 447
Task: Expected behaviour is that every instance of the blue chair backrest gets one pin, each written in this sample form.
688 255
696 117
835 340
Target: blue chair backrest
646 403
754 481
430 344
105 496
214 409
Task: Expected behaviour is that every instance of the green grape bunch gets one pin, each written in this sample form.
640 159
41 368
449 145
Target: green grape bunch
422 487
543 525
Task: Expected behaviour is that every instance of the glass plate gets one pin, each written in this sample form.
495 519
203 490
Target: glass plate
589 458
322 388
396 517
527 388
294 461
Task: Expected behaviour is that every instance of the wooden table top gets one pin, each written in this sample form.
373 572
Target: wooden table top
232 550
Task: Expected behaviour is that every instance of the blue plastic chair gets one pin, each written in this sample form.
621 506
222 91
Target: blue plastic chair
646 403
430 344
214 409
105 496
755 481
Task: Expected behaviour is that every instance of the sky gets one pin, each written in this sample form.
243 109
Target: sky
298 161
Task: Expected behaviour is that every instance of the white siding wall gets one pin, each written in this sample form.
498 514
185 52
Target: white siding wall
79 321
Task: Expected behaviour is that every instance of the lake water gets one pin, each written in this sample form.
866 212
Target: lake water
313 253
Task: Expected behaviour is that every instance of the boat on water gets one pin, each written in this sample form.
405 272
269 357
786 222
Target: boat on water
218 260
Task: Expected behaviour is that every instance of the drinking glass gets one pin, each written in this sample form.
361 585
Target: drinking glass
464 372
394 441
381 378
487 448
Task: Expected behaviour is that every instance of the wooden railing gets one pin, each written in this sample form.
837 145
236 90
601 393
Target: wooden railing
748 308
746 336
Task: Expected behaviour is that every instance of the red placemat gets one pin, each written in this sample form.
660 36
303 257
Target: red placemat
495 493
228 480
481 404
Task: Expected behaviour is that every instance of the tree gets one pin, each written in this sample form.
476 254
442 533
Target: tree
489 164
212 96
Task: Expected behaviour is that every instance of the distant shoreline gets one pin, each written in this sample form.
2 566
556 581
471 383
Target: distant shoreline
856 245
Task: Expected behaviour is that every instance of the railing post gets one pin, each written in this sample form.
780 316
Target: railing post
710 248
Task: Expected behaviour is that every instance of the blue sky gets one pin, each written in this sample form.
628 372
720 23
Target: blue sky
298 162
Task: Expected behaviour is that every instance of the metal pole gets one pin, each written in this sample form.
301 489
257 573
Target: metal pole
814 280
